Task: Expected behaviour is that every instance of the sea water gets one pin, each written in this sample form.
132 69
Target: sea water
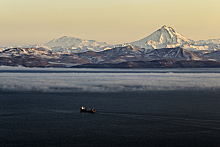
145 107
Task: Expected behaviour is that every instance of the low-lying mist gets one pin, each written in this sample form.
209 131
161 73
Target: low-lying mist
107 82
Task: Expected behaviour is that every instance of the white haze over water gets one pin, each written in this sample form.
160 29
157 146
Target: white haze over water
107 82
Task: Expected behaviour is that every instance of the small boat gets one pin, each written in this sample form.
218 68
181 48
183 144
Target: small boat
83 109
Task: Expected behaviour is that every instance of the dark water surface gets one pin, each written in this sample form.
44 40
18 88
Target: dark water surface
153 118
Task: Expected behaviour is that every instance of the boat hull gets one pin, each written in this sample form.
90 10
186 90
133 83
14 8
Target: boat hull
86 110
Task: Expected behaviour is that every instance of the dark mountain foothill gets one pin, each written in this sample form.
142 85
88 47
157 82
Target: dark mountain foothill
27 62
165 63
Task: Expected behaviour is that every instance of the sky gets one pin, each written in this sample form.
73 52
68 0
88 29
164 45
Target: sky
25 22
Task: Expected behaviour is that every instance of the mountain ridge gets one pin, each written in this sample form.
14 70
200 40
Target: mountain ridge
164 37
27 56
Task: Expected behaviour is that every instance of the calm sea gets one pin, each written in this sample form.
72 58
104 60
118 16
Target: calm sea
160 107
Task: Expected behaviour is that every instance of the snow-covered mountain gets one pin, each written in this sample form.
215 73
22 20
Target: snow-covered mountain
211 44
28 57
74 45
36 57
167 37
162 38
34 52
39 46
207 42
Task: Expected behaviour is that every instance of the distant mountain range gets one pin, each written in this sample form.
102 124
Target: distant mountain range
165 44
165 37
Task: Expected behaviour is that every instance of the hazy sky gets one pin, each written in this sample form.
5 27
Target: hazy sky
113 21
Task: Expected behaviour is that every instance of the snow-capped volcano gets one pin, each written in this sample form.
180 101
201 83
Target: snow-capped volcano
72 44
67 41
162 38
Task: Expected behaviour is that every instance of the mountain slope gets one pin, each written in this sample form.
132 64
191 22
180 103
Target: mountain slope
173 53
35 57
130 53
